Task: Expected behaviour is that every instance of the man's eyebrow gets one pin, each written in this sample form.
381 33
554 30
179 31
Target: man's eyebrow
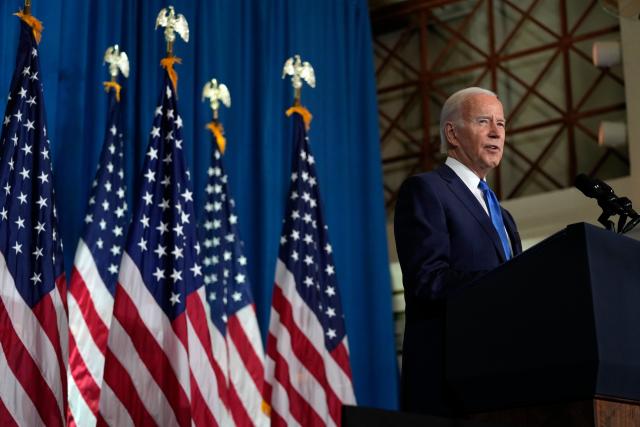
484 116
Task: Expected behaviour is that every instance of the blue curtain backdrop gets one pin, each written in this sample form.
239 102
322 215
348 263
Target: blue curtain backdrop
242 43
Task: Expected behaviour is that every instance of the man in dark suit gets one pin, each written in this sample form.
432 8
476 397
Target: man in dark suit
449 229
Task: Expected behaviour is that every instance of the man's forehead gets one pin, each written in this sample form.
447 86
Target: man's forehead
483 105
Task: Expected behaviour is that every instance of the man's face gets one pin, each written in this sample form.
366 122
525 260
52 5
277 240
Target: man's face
480 140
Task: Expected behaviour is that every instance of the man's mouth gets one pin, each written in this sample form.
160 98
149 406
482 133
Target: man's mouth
492 147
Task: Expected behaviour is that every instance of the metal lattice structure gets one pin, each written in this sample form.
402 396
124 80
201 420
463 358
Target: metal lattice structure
535 54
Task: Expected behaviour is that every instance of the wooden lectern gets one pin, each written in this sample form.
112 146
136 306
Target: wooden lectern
551 338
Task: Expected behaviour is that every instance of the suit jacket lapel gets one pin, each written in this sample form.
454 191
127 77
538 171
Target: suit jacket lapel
473 206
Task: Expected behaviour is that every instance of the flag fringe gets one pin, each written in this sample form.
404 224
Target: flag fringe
306 115
218 133
33 22
115 86
167 64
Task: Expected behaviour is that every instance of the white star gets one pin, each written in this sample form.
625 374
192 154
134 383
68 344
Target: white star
330 312
100 243
226 255
331 333
167 158
113 269
7 120
164 205
240 278
168 91
179 144
26 71
107 186
45 153
3 213
152 153
237 296
166 181
18 248
15 143
162 228
120 212
283 240
88 218
175 298
308 239
160 250
242 260
169 136
308 260
158 110
32 101
105 205
113 129
29 125
115 250
159 274
34 51
155 132
26 149
148 198
117 231
150 175
112 148
327 248
43 177
295 215
24 173
329 269
295 234
307 218
176 275
23 198
42 202
37 253
144 221
233 219
103 224
294 255
18 115
177 252
187 195
23 92
196 270
39 227
184 217
143 244
330 291
178 122
178 230
120 193
36 278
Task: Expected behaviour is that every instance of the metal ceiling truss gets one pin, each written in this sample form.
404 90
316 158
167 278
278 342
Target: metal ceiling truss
422 29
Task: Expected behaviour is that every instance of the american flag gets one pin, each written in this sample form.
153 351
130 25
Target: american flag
308 373
237 348
33 317
159 366
95 274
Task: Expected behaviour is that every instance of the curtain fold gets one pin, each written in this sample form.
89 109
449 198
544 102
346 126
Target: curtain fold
243 44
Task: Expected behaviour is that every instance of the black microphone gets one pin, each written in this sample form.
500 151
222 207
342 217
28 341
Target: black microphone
608 201
594 188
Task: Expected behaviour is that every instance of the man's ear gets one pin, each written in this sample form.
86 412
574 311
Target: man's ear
450 134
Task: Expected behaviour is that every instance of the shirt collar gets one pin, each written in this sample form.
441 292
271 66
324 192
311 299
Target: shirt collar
467 176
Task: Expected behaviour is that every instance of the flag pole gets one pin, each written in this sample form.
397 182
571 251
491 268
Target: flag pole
27 7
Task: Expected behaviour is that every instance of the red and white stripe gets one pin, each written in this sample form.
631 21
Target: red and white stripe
33 354
306 384
90 311
159 371
246 369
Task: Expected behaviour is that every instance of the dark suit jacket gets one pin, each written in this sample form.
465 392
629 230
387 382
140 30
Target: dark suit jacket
445 240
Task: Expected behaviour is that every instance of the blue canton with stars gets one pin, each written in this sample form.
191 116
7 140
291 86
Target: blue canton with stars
225 266
28 223
162 236
304 243
106 216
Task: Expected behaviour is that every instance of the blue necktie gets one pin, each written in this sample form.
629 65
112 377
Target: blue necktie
496 216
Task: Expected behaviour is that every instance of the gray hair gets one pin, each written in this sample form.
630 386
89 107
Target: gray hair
452 110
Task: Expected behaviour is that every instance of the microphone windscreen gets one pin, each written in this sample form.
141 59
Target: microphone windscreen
586 185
